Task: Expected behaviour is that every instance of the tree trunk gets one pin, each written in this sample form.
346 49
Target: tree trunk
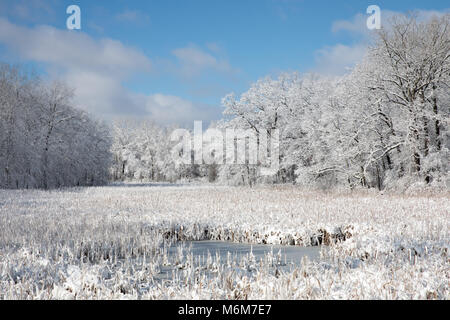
436 123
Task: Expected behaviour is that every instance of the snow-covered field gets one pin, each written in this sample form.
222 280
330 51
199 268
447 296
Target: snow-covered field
113 243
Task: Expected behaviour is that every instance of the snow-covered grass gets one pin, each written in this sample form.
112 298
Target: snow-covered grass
112 243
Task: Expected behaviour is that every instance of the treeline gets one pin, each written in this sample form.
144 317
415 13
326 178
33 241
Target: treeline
382 125
44 141
141 151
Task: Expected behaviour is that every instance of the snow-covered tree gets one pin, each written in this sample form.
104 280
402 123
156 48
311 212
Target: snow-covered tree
44 141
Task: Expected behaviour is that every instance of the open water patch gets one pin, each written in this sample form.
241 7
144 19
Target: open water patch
211 258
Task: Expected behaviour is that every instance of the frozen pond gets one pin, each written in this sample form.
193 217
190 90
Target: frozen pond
289 254
212 257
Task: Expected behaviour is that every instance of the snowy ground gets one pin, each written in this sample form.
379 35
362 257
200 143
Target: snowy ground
114 242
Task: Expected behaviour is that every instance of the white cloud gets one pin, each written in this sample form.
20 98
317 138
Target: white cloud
96 69
193 61
72 50
168 109
104 95
355 26
338 59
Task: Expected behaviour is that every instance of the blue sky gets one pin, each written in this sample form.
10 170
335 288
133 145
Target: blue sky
174 60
